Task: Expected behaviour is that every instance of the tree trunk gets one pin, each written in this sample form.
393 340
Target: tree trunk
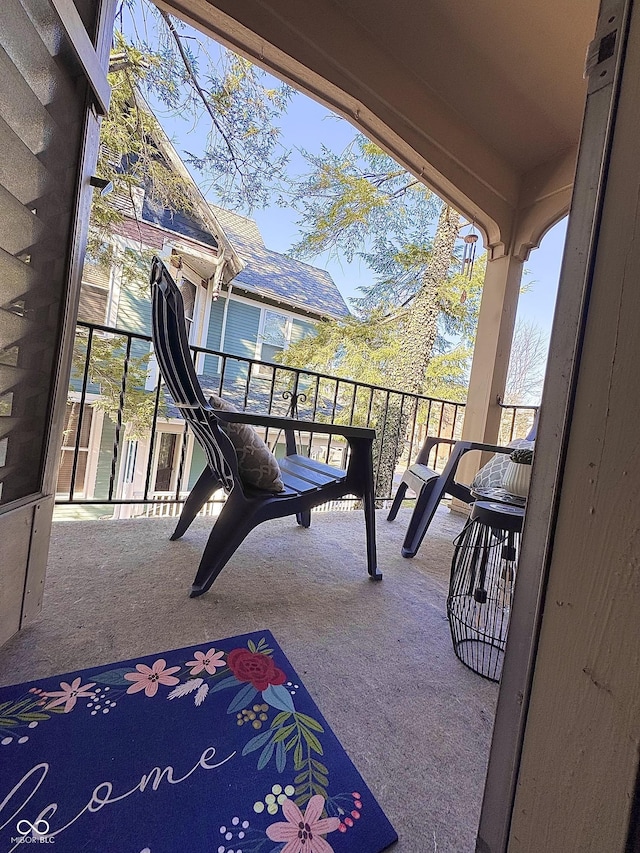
408 371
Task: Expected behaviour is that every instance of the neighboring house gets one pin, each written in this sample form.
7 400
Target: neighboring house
240 298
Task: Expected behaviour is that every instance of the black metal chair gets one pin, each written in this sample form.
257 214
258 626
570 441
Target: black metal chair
430 487
307 483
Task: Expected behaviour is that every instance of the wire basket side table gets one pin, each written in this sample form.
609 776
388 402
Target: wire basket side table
483 573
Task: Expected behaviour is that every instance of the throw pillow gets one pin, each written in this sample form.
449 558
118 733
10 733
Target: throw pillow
491 475
257 465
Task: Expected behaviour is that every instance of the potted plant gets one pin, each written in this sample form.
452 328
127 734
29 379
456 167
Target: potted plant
518 474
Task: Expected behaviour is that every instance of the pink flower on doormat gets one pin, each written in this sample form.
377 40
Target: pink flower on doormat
255 667
69 694
209 661
149 678
303 832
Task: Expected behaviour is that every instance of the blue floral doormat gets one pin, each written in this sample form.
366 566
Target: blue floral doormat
216 748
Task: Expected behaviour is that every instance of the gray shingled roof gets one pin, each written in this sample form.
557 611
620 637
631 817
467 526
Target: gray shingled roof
276 276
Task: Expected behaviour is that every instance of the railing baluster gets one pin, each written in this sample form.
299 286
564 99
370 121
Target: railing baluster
272 389
414 421
83 397
353 402
222 373
183 453
247 385
152 438
440 419
370 406
343 408
116 442
315 399
335 402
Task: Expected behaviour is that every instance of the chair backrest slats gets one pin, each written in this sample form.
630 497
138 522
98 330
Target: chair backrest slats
172 352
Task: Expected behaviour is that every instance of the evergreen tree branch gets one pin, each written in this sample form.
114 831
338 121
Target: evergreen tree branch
198 88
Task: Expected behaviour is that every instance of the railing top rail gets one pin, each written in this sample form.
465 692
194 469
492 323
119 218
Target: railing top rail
519 406
218 353
113 330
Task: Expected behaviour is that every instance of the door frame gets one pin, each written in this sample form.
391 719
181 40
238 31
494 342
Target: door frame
26 522
554 431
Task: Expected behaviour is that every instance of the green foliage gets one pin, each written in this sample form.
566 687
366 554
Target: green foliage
234 102
364 349
447 375
128 155
362 203
350 348
460 297
360 200
106 372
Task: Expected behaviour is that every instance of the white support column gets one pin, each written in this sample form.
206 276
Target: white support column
491 356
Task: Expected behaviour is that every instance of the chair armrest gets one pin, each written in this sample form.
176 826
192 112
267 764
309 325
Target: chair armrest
462 491
274 422
461 446
429 443
490 448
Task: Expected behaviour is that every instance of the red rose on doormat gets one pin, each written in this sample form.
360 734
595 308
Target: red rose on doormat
259 669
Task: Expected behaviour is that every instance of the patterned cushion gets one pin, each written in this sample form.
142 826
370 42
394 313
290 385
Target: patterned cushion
491 475
257 465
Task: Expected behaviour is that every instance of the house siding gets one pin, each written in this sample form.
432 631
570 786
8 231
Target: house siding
198 464
134 315
241 334
301 329
214 334
134 311
105 455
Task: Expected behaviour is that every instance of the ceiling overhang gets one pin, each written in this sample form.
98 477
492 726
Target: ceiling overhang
484 104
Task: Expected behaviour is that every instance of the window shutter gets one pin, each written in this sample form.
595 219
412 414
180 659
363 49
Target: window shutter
94 294
96 274
93 304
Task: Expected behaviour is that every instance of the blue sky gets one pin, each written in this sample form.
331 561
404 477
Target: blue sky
307 125
542 270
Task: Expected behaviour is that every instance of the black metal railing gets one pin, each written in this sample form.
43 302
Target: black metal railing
143 434
516 421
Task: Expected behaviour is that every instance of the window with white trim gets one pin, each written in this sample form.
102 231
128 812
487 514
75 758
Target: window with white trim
166 461
195 296
189 292
274 336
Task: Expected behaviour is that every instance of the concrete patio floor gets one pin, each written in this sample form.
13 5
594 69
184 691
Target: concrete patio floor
376 657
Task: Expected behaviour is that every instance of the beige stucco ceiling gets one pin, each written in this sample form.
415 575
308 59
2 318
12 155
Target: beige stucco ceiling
512 70
483 99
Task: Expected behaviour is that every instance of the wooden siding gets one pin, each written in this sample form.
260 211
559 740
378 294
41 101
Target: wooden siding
301 329
213 336
134 315
198 462
241 334
134 310
103 471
